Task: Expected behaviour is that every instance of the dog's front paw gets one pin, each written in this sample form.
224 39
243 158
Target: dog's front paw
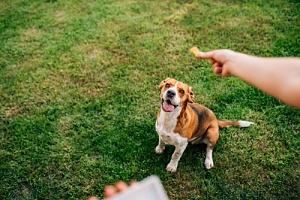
158 150
209 163
171 168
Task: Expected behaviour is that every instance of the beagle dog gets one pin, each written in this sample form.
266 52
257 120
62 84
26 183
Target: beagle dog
180 121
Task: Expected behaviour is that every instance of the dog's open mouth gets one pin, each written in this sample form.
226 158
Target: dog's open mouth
167 106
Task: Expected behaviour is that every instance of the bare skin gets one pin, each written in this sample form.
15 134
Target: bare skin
278 77
111 190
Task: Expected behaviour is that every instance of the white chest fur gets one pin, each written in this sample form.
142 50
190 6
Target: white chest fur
165 126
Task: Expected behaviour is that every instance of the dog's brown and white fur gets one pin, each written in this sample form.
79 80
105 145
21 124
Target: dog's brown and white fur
180 121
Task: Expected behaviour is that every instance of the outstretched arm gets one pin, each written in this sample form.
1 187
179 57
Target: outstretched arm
278 77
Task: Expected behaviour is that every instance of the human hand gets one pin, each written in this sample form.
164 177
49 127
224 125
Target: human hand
221 60
111 190
120 186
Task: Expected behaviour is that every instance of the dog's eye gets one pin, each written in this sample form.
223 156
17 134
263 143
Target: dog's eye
167 85
181 91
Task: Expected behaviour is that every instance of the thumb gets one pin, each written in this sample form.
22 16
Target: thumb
206 55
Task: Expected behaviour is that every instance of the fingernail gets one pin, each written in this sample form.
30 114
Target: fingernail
200 54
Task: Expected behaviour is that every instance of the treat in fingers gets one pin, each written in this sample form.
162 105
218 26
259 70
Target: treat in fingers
195 51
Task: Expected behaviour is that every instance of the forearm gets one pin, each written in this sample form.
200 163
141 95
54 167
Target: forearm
278 77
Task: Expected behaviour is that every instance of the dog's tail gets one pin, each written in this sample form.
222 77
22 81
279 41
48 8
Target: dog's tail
227 123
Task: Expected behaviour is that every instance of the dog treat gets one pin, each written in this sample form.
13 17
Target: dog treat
195 51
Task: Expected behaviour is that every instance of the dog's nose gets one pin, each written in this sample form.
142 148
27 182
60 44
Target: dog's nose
170 93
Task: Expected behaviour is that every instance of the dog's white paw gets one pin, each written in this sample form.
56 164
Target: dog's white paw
209 163
171 168
158 150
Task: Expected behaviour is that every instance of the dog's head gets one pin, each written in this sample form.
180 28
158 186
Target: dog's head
174 94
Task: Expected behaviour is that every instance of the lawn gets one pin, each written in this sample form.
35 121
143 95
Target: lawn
79 97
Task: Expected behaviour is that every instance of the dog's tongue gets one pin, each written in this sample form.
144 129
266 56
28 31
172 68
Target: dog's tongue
168 107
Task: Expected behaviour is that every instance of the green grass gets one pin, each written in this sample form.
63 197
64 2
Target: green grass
79 97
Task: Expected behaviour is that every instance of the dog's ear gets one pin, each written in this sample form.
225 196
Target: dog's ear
162 83
191 95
